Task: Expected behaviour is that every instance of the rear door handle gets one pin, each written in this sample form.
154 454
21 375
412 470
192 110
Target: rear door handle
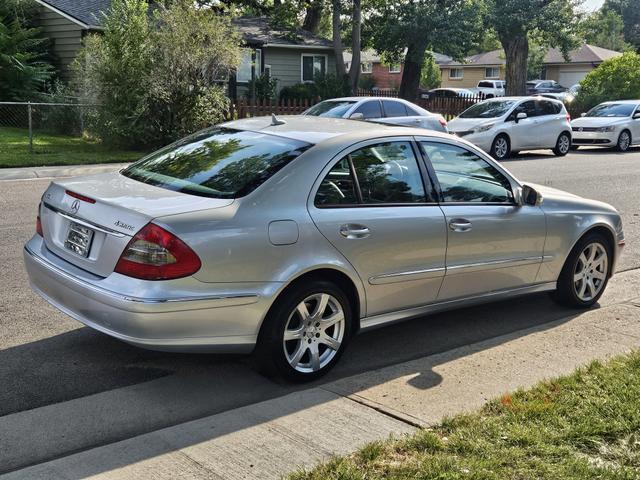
460 225
354 231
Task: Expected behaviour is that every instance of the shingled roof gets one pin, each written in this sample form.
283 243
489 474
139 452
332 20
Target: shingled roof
584 54
258 31
87 13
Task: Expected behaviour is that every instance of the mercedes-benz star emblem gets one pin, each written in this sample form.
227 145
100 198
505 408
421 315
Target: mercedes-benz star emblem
75 206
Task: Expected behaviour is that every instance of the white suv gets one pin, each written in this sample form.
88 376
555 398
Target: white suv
506 125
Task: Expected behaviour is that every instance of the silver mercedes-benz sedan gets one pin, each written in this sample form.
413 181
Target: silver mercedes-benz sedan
287 236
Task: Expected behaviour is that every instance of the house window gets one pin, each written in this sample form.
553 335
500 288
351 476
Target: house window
366 67
249 57
456 73
492 72
394 68
313 65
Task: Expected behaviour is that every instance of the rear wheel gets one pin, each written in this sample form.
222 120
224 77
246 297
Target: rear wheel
563 145
305 333
501 147
585 273
624 141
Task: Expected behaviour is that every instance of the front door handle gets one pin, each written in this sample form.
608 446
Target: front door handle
354 231
460 225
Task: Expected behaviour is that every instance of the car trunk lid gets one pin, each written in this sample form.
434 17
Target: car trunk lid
89 221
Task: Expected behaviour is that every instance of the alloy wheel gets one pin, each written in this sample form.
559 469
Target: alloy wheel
591 271
501 147
564 144
314 333
624 141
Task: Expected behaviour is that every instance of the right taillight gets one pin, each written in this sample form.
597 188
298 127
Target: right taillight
156 254
39 224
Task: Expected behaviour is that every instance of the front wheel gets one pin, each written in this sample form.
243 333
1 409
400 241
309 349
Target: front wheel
624 141
305 333
563 145
501 147
585 273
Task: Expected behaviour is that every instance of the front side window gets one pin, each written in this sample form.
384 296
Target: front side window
385 173
217 162
312 66
528 107
456 73
394 109
370 109
250 58
464 177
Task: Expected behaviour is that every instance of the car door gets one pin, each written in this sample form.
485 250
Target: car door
397 113
370 110
520 131
548 124
493 243
634 125
373 206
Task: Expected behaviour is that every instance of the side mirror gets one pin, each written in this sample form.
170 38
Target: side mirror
529 196
356 116
583 114
636 115
520 116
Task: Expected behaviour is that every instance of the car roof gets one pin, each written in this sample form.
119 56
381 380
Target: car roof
315 130
518 99
357 99
631 102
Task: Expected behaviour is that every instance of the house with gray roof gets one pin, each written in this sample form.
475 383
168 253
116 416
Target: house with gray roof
289 56
491 66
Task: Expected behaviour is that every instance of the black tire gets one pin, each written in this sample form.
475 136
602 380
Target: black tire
497 150
566 291
563 145
269 356
623 144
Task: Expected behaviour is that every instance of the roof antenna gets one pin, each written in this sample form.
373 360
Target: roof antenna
275 121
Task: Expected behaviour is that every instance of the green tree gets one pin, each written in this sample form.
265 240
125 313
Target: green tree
553 23
157 79
24 69
430 76
605 28
614 79
450 27
629 11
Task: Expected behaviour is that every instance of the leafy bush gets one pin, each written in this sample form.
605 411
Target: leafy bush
430 76
156 79
323 87
299 91
367 82
266 87
615 79
60 119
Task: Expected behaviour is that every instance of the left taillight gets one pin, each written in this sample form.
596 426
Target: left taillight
157 254
39 223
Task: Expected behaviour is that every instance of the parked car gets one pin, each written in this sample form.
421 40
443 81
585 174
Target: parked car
535 87
610 124
393 111
502 126
291 236
490 88
450 93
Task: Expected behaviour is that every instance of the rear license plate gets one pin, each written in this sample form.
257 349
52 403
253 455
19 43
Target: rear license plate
79 239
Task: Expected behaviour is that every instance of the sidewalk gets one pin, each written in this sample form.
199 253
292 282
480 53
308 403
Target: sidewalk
269 439
30 173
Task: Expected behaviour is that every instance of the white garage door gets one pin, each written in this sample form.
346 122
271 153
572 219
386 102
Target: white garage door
571 77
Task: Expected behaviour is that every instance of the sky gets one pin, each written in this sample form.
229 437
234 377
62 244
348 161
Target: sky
592 5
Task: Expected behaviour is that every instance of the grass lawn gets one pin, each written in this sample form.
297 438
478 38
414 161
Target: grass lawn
584 426
50 149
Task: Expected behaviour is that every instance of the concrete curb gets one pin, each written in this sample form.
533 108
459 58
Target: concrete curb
32 173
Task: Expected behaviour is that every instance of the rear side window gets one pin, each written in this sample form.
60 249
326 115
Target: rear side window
549 108
385 173
394 109
217 163
370 109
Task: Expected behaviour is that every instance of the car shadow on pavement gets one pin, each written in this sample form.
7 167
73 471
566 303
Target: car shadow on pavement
548 155
178 388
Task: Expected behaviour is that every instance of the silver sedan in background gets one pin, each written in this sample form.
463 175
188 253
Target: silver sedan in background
392 111
287 236
610 124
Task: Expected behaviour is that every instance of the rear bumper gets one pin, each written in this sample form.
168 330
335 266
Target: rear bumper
182 315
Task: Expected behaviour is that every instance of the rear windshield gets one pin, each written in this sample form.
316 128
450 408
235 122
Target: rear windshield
488 109
332 108
217 163
611 110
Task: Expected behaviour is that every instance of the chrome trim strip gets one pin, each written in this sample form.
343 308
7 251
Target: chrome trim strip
386 318
407 276
548 258
504 263
82 221
250 297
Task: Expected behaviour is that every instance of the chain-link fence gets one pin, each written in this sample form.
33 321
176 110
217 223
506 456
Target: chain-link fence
31 124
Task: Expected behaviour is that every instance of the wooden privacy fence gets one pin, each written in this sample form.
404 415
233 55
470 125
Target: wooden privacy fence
243 108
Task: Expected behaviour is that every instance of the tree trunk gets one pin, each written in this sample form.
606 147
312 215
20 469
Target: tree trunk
354 70
337 39
413 63
313 16
516 49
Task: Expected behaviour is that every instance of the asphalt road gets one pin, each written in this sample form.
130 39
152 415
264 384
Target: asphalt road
45 357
